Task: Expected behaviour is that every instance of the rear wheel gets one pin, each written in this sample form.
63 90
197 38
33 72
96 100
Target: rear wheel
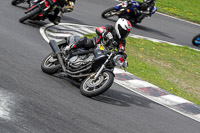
91 87
109 13
50 65
30 15
16 2
196 40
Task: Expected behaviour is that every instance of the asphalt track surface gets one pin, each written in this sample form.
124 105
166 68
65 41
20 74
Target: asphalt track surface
34 102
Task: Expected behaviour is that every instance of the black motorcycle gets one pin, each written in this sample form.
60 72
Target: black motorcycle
93 68
16 2
40 10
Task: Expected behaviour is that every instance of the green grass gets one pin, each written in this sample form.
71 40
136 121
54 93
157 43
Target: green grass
172 68
185 9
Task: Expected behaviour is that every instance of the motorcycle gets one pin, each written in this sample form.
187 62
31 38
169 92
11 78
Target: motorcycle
93 67
196 40
126 10
40 10
16 2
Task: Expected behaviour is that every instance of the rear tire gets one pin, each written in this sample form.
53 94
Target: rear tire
15 2
49 67
107 13
30 15
194 40
91 88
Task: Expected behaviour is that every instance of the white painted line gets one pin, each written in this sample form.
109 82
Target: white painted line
174 100
55 39
152 39
197 116
87 30
78 30
159 41
5 100
118 70
178 18
42 32
134 84
58 34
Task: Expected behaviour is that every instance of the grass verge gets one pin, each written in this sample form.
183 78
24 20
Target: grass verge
184 9
173 68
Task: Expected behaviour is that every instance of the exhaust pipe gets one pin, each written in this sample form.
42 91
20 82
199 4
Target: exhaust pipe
57 52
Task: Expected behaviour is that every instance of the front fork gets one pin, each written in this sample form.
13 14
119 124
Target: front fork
57 52
102 67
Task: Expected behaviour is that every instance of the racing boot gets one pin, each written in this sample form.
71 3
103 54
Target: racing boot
69 47
53 19
57 20
57 17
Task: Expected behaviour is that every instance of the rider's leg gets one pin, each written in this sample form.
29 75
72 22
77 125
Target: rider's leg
83 42
56 17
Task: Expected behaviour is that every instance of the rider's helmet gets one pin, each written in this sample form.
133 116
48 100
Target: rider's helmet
123 28
68 5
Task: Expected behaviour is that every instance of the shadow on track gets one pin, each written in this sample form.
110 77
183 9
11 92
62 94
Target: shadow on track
147 29
113 97
71 20
119 98
23 6
35 24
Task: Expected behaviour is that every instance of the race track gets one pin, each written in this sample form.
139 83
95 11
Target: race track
34 102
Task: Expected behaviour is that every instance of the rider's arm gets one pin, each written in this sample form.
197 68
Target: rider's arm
121 46
99 31
103 29
103 32
121 50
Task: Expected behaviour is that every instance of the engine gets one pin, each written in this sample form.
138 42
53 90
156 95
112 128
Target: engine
80 61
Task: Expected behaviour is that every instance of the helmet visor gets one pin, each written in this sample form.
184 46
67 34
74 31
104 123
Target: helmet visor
123 33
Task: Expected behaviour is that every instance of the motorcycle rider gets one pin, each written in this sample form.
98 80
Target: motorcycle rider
145 8
107 34
63 6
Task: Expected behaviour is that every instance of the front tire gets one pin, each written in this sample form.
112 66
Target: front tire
30 15
91 87
50 65
109 12
196 40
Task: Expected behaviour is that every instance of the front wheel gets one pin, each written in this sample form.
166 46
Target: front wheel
50 65
30 15
91 87
109 13
196 40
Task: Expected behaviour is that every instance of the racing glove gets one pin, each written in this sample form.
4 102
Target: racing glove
125 65
107 35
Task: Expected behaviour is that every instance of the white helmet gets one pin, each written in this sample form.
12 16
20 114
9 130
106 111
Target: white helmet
123 28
